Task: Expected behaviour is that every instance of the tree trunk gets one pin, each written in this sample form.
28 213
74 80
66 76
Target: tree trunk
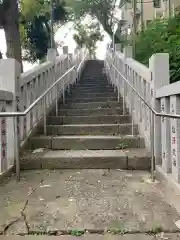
11 28
108 29
49 34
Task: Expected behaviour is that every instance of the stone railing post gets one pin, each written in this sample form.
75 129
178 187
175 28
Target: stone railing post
159 67
127 54
174 138
115 74
65 68
70 76
118 47
10 71
51 56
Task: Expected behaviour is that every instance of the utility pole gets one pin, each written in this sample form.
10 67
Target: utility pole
169 8
134 29
142 16
52 22
126 28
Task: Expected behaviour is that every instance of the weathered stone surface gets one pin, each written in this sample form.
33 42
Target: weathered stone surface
86 199
90 99
172 236
168 188
89 197
134 159
104 119
91 105
96 142
83 159
90 129
40 142
91 111
92 94
139 159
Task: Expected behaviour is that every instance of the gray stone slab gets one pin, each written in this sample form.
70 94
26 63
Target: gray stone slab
91 105
93 90
90 99
95 129
86 159
57 120
86 199
40 142
169 188
92 94
94 112
96 142
108 119
138 159
170 236
6 96
90 129
89 85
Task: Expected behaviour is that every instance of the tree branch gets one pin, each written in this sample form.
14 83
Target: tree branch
1 15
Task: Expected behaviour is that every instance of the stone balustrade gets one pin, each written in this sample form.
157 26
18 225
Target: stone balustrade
19 90
152 83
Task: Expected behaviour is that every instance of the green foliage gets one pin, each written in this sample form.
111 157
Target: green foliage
31 9
76 232
87 36
161 36
36 41
103 10
35 28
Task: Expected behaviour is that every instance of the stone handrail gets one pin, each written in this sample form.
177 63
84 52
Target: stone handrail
169 102
152 83
19 90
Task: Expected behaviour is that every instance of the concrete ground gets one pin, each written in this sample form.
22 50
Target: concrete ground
95 200
160 236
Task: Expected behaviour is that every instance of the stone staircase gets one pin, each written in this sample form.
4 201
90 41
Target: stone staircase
90 131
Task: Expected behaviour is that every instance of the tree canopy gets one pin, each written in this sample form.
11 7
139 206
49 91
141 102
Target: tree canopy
35 26
9 21
27 24
161 35
103 10
87 36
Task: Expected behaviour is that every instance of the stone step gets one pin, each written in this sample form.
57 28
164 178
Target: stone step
93 91
94 85
104 119
131 236
88 88
90 112
90 99
91 105
95 77
91 129
94 81
93 95
131 159
86 142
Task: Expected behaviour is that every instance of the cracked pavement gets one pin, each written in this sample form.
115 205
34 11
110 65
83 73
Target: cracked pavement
55 200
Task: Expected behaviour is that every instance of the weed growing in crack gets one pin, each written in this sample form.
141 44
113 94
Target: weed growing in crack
116 231
76 232
122 146
156 229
